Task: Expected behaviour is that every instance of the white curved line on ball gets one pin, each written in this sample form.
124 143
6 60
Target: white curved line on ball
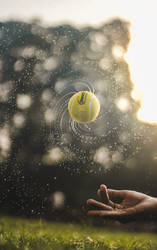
90 107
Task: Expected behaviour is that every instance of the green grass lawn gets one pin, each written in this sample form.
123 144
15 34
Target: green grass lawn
25 234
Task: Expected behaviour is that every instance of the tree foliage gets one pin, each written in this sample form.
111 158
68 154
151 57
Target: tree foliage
39 67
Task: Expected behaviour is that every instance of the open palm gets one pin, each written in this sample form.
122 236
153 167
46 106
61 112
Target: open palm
131 204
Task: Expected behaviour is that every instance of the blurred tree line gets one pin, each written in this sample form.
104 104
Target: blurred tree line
40 166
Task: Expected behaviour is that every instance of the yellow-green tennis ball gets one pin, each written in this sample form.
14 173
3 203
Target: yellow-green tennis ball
84 107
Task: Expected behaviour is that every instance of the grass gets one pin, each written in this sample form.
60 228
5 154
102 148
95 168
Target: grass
25 234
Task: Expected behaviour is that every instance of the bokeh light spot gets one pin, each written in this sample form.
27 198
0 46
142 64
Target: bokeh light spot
23 101
123 104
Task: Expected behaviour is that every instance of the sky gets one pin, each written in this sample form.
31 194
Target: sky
142 53
76 11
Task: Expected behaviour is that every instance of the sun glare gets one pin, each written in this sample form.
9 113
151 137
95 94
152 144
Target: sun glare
142 56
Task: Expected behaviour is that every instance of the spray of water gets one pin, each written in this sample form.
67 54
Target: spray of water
86 134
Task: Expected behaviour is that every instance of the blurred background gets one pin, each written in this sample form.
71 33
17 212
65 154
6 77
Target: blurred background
49 165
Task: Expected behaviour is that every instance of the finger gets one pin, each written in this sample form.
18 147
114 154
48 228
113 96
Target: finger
103 213
94 213
123 215
118 215
99 204
104 194
105 199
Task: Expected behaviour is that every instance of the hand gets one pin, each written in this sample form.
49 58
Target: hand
132 205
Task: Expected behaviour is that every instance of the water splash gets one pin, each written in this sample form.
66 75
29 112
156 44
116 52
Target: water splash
86 134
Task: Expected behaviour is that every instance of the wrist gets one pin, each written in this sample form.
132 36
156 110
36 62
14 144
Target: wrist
153 209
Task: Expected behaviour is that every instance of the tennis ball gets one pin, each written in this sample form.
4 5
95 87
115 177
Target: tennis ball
84 107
